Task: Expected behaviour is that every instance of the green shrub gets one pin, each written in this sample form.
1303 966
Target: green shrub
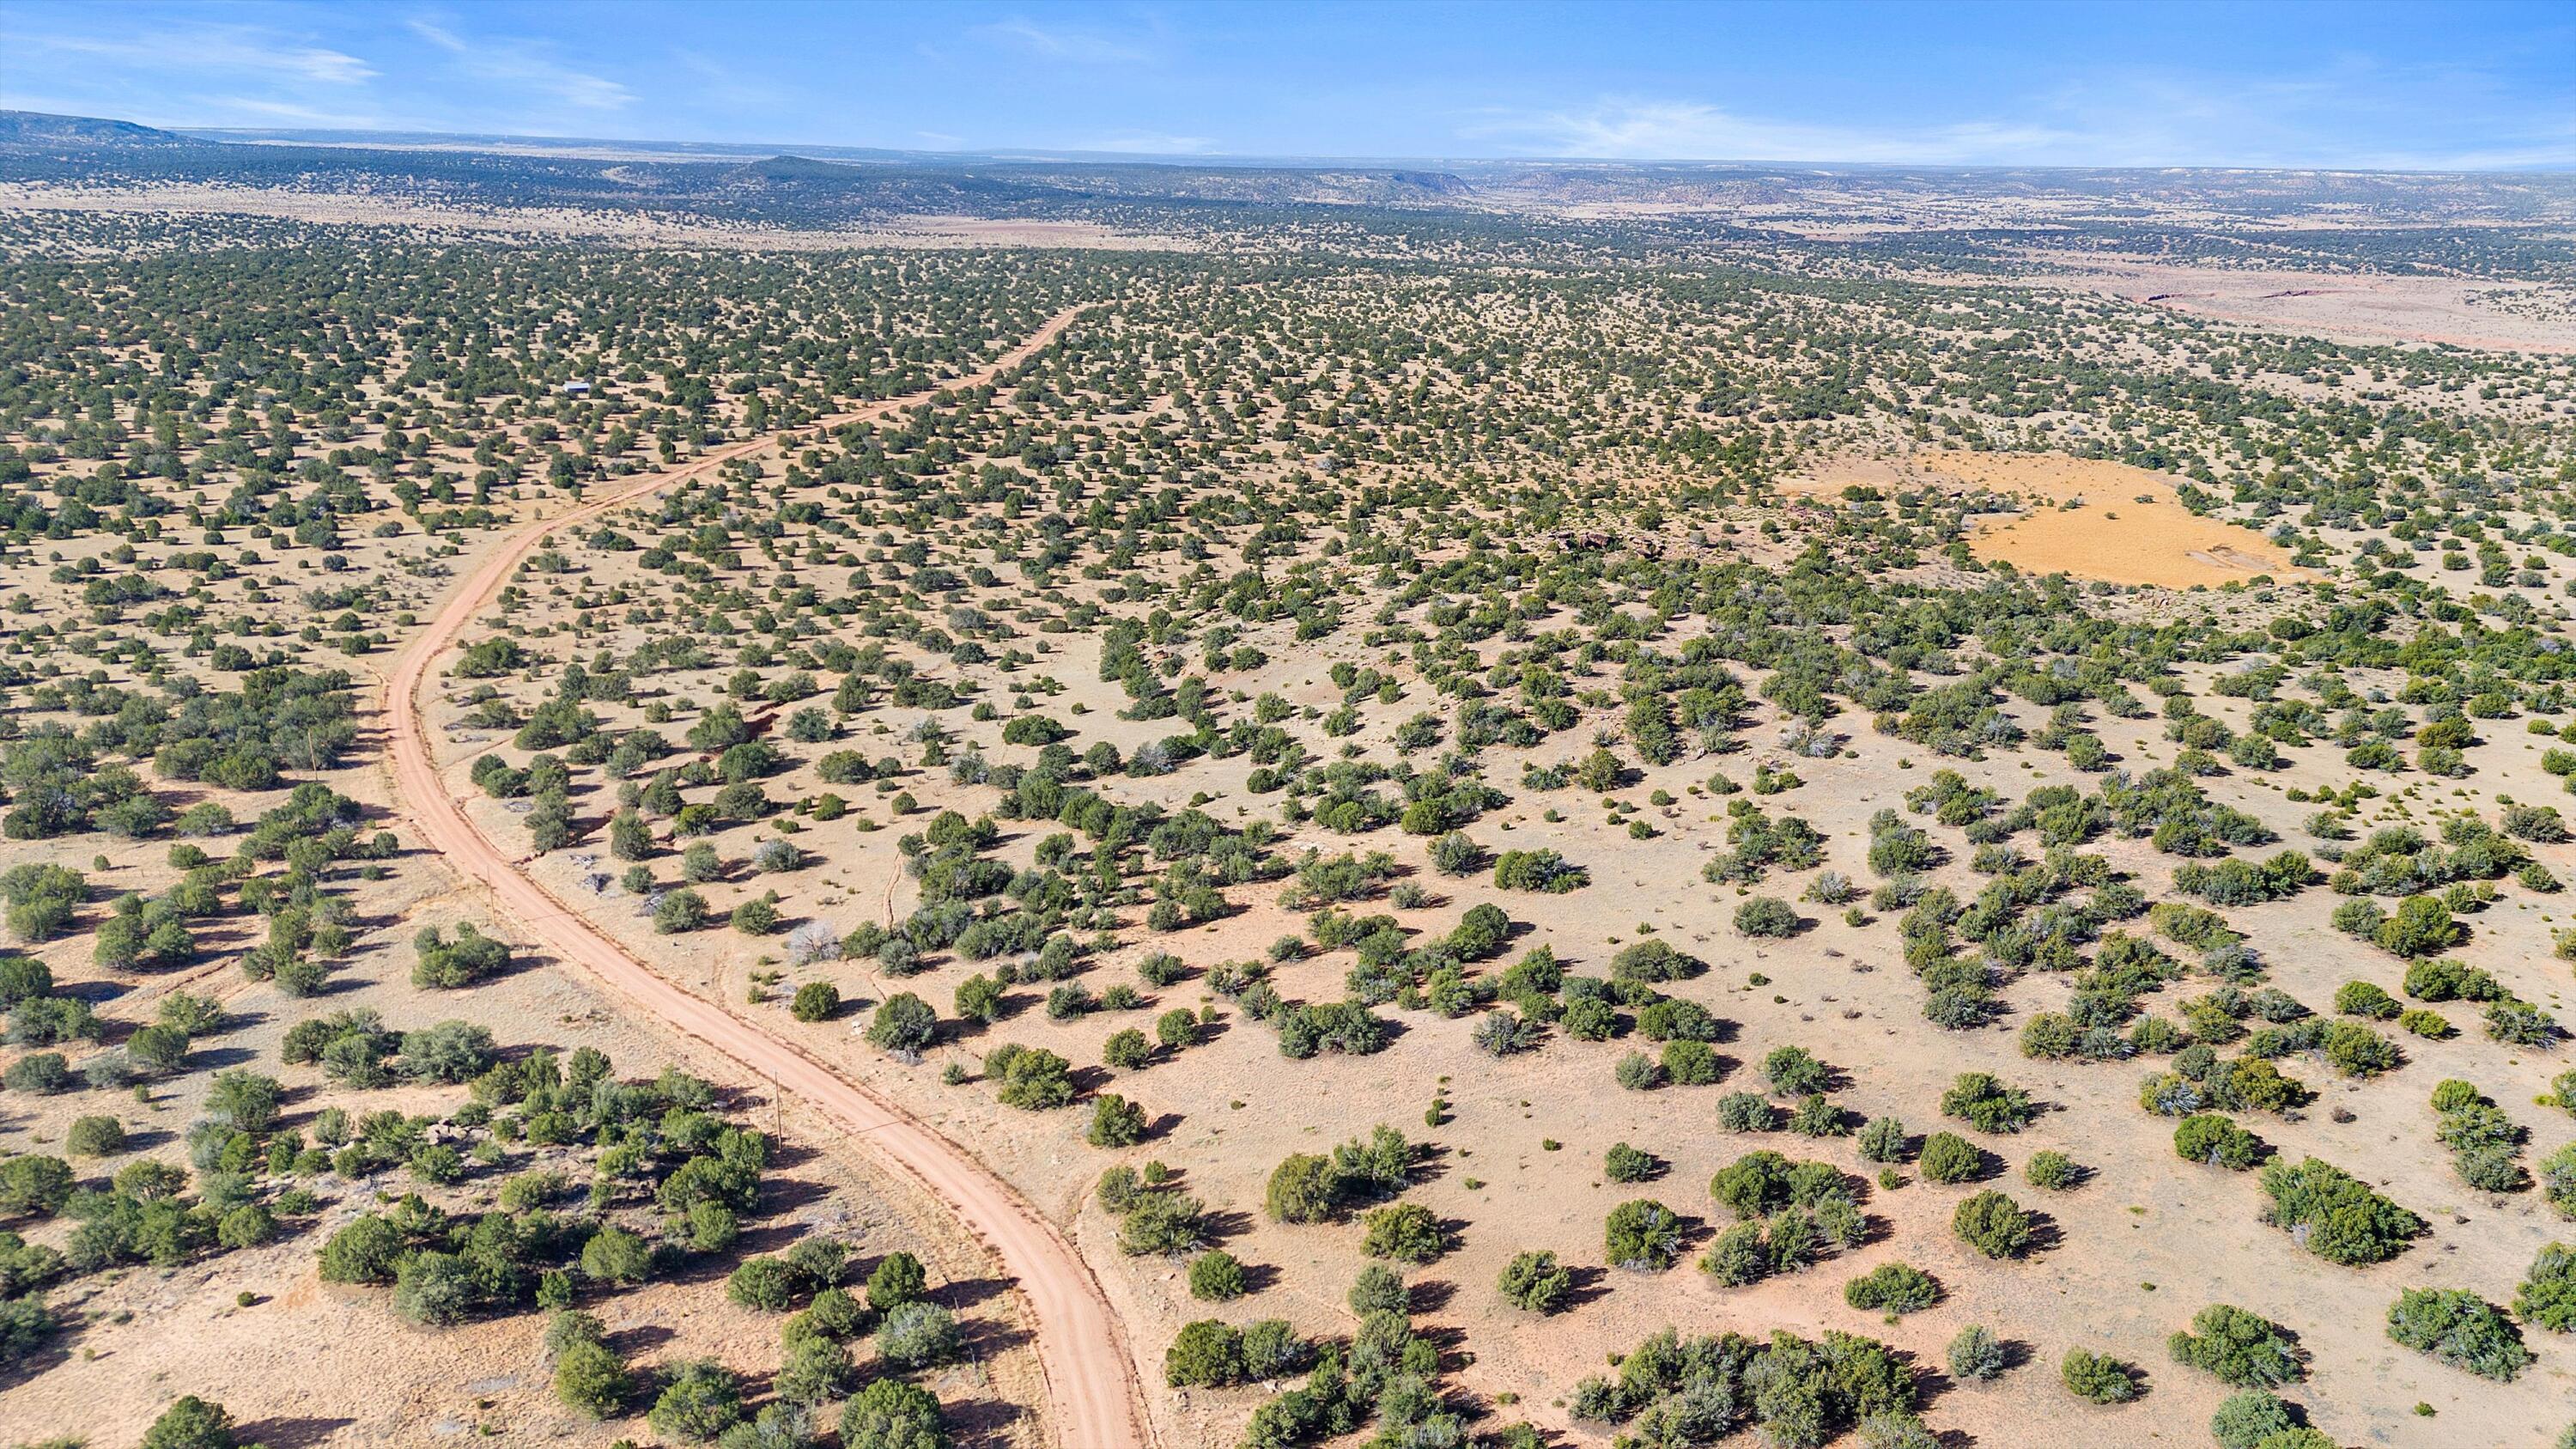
1204 1354
2216 1141
1987 1104
1534 1283
591 1380
1623 1163
1642 1235
904 1024
917 1335
1405 1232
1378 1289
1882 1139
1766 918
2097 1377
1948 1157
1795 1072
191 1423
2239 1348
1976 1355
816 1001
95 1137
2547 1298
2340 1219
2458 1328
1303 1188
1895 1287
892 1414
699 1400
2250 1418
762 1283
898 1279
1993 1224
2051 1170
1115 1122
1216 1277
363 1251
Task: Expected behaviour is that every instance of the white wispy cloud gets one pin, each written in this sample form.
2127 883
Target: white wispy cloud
291 115
2111 118
524 63
1147 143
1062 43
201 50
1669 130
733 89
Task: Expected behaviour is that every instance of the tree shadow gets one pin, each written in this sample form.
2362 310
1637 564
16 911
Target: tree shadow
1430 1164
982 1423
292 1433
1223 1224
1585 1284
985 1338
784 1153
1930 1381
1430 1295
960 1294
145 1139
2045 1235
780 1197
29 1363
96 993
643 1338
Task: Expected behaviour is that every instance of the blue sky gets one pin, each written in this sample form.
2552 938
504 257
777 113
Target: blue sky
2481 86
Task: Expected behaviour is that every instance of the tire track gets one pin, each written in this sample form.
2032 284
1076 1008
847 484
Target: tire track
1092 1391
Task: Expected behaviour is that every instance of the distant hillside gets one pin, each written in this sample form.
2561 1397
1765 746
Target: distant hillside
2500 224
34 130
793 168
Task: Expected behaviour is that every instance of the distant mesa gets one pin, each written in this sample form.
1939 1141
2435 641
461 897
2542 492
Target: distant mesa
793 168
36 131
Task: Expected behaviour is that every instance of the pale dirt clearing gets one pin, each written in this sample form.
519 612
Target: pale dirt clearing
2087 517
2341 306
559 223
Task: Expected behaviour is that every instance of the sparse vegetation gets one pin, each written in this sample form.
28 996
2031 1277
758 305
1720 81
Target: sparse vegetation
1496 628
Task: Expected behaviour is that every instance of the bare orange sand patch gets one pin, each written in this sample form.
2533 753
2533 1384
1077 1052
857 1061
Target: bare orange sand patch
2087 517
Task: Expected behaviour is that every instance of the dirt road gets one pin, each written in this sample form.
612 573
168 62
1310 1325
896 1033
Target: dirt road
1082 1350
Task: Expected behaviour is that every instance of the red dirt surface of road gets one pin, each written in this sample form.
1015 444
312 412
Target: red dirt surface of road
1082 1350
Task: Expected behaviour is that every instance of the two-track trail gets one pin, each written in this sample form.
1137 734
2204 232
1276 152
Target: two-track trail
1082 1350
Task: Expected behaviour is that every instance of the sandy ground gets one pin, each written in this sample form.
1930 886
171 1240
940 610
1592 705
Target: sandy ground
2507 317
2141 1245
147 1336
2094 519
1088 1369
307 1364
2142 1219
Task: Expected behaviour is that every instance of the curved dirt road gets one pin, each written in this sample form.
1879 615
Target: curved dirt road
1081 1348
